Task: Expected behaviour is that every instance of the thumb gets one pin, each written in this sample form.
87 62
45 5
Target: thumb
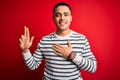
69 44
31 39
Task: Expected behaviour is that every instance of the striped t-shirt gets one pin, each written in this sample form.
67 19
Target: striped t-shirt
57 67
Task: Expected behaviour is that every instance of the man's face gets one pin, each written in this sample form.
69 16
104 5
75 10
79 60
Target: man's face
62 18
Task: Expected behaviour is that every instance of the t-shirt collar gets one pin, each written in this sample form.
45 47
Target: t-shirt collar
63 37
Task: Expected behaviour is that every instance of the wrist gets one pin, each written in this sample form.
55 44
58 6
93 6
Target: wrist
71 56
25 50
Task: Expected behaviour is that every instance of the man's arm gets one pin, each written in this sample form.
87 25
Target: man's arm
88 64
32 61
86 60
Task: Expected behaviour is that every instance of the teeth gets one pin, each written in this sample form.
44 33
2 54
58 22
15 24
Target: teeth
62 23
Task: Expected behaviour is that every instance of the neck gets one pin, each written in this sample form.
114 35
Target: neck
63 33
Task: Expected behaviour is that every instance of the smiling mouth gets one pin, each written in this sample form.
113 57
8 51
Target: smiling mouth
62 23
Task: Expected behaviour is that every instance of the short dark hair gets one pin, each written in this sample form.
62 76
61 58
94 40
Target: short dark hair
61 4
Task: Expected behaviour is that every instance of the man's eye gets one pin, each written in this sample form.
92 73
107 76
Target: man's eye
66 14
57 15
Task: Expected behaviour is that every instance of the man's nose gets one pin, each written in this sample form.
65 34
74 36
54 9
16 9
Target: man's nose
62 17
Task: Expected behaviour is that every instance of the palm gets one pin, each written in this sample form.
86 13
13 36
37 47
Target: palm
25 40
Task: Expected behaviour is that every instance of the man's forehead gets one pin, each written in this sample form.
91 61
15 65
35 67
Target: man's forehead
62 9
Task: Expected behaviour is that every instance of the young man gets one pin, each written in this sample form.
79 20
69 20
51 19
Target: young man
64 51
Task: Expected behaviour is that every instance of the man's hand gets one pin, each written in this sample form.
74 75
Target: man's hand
61 50
25 40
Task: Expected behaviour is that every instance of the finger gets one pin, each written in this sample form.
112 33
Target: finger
69 44
57 49
59 54
20 41
58 45
32 39
25 31
22 37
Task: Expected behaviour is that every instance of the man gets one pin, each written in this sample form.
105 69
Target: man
65 51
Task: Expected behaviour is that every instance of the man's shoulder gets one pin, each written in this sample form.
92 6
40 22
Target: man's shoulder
77 34
49 36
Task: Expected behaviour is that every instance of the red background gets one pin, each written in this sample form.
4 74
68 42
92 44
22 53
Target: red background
99 20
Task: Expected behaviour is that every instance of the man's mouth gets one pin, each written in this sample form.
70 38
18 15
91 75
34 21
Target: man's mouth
62 23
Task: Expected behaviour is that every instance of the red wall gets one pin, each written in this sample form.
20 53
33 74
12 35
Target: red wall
99 20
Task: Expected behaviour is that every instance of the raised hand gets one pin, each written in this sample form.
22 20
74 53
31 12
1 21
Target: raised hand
25 40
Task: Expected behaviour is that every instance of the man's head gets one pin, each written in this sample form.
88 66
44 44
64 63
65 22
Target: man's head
62 15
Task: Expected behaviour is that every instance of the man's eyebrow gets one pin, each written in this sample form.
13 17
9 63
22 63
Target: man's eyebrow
66 12
57 13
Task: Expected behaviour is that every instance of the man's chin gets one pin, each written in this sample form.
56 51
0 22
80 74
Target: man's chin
62 28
